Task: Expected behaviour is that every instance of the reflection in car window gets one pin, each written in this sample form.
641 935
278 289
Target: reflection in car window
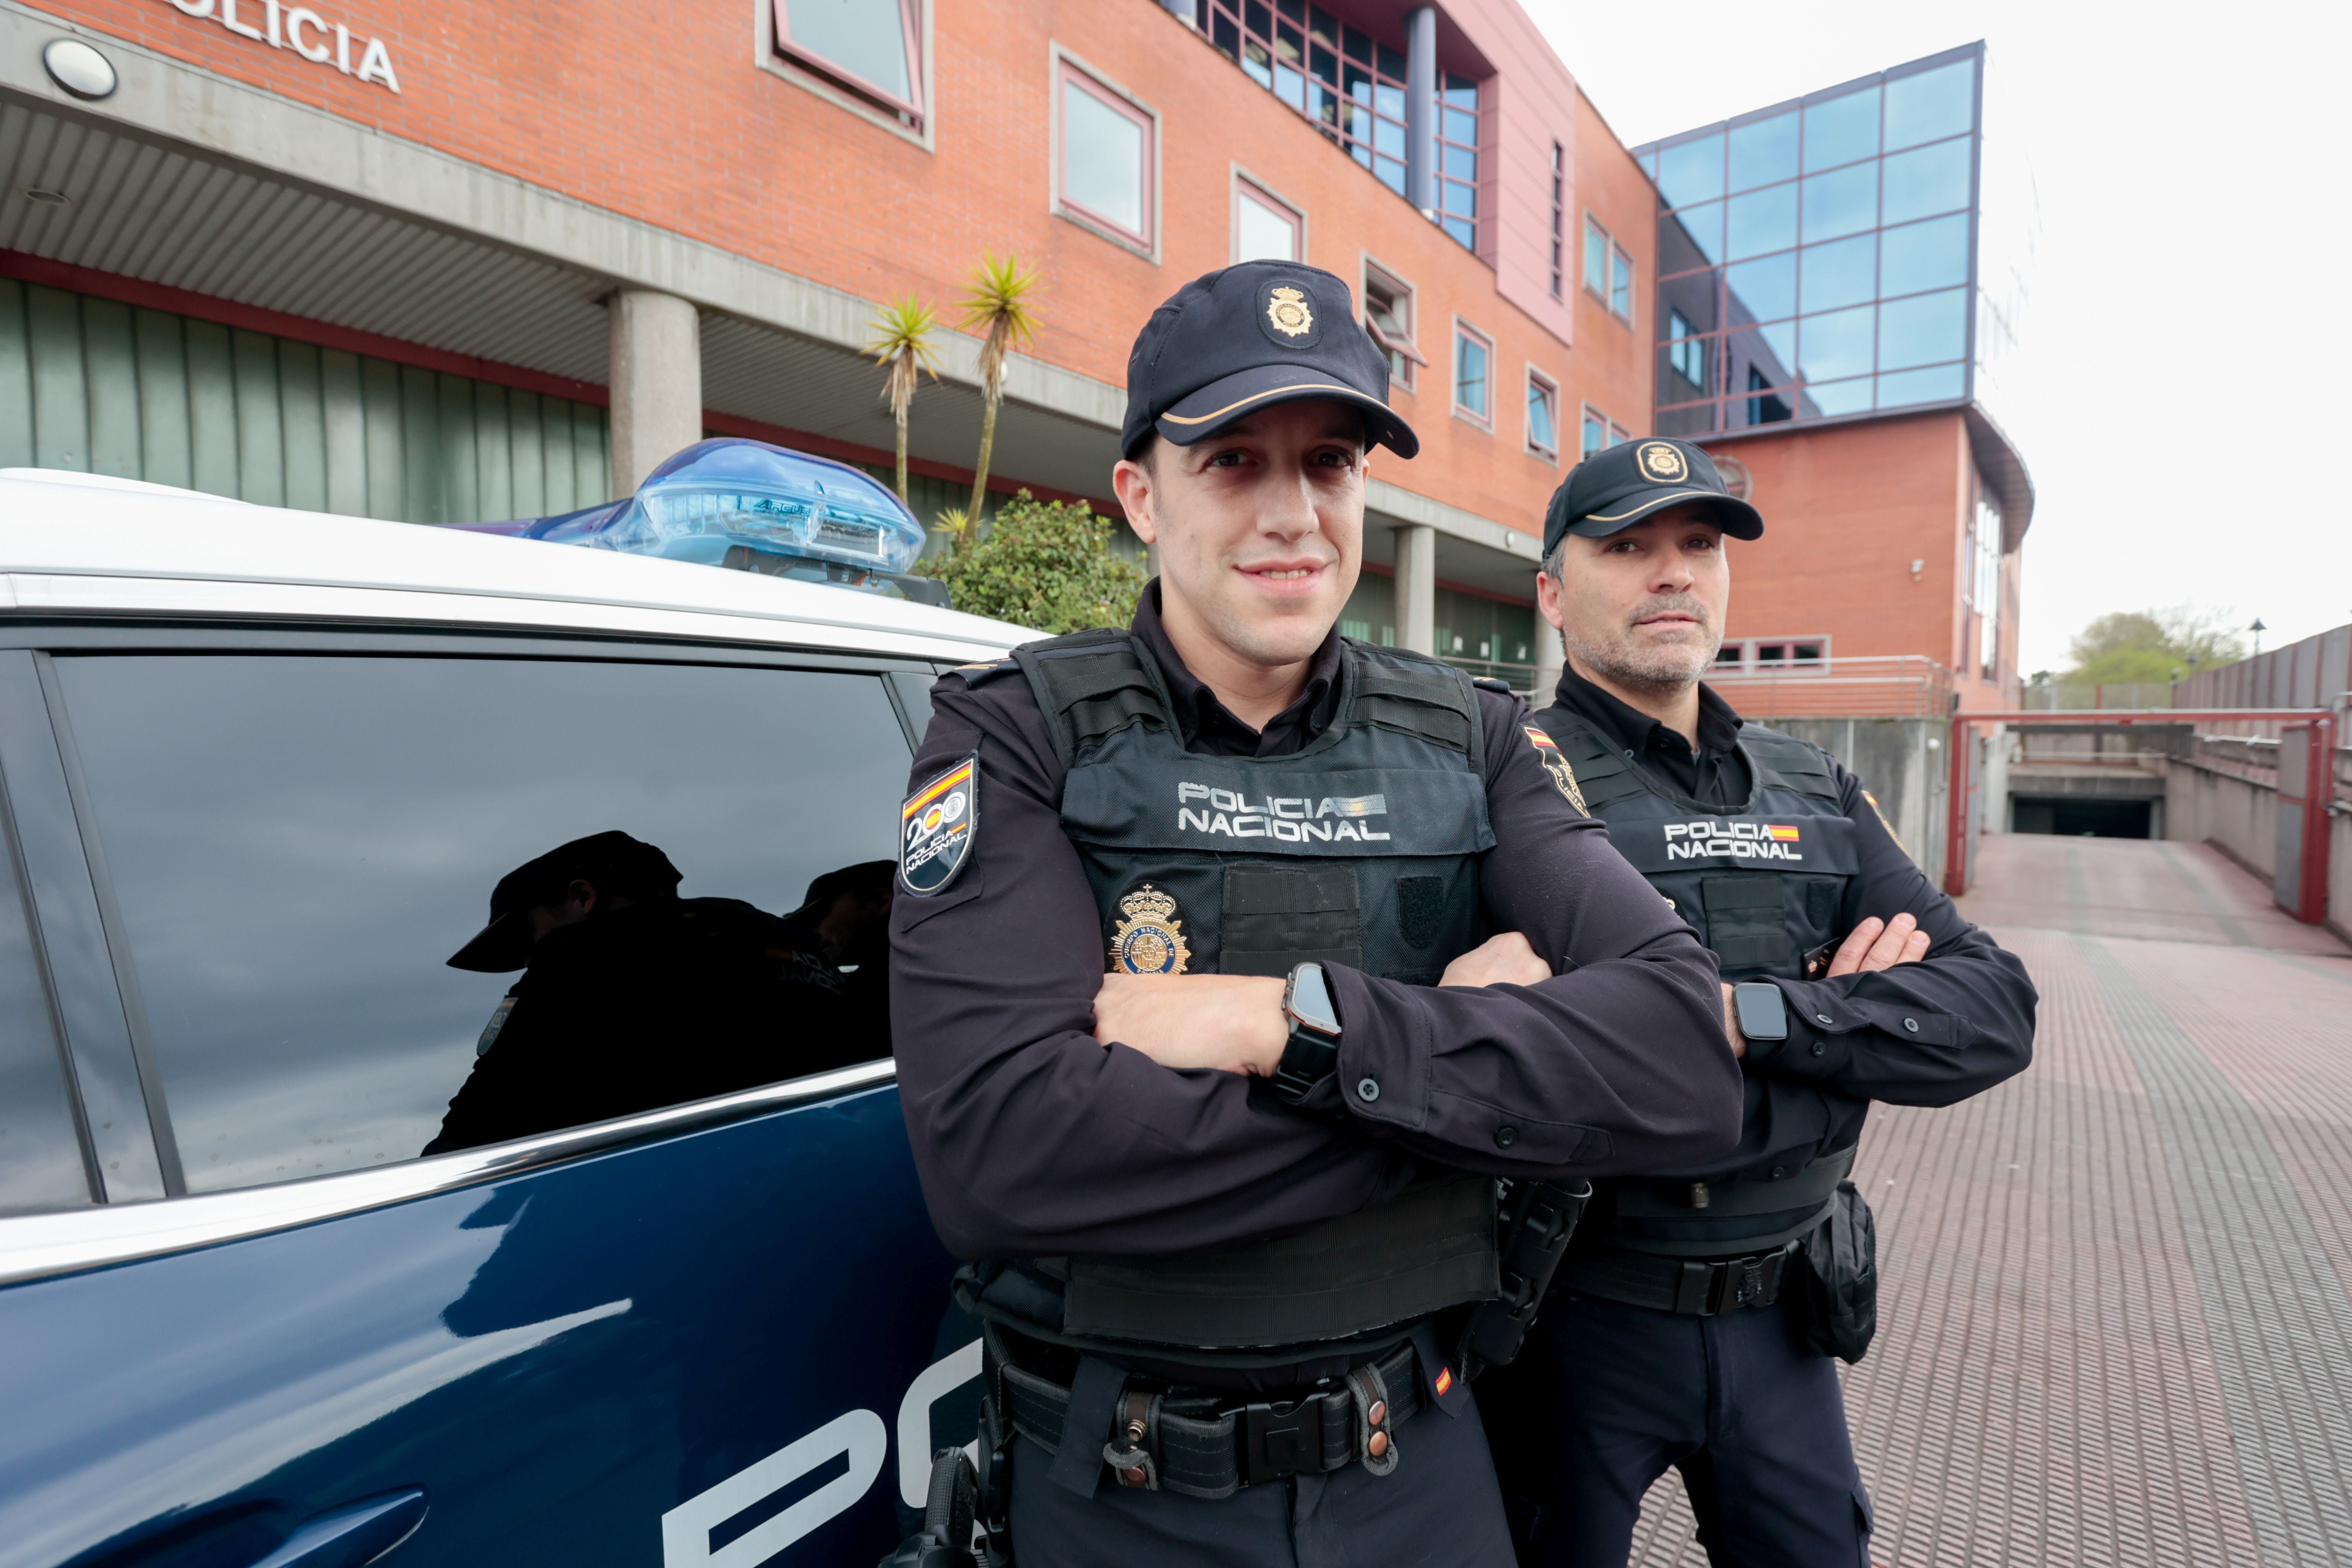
40 1155
299 844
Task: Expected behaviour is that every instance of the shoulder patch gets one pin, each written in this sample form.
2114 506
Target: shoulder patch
985 670
489 1035
936 827
1489 683
1548 752
1880 812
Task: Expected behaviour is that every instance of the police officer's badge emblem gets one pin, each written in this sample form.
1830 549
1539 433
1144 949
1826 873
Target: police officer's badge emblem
936 827
1659 460
1150 940
1286 309
1548 752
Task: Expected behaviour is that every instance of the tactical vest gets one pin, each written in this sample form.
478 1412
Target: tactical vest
1764 887
1360 849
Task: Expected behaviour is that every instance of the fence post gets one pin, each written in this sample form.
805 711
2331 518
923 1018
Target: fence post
1956 827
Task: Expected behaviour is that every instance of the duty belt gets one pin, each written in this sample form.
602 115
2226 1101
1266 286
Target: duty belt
1689 1286
1204 1445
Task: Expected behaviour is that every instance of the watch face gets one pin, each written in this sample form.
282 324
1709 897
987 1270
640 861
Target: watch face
1310 999
1763 1011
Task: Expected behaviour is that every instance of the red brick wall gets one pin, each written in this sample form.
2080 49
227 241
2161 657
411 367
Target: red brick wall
662 115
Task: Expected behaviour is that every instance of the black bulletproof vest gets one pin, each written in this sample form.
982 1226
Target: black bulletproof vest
1763 886
1360 849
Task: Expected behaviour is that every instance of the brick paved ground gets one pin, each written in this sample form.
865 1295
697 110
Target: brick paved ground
2116 1315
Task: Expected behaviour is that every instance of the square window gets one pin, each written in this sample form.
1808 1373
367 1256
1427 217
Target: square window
1621 284
871 47
1543 416
1932 179
1265 227
1388 320
1931 104
1473 375
1108 152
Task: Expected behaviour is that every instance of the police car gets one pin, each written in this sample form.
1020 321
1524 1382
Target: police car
261 771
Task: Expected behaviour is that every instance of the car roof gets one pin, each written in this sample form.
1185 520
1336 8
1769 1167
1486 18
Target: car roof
80 545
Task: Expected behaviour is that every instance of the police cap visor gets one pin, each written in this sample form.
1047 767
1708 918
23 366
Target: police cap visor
1624 485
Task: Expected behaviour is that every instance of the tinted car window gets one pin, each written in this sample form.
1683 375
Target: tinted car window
40 1155
299 844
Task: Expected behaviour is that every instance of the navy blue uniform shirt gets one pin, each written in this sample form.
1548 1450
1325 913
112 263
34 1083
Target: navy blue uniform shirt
1033 1138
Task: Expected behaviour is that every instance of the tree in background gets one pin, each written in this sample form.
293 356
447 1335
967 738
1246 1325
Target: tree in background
2153 645
902 345
1047 564
999 306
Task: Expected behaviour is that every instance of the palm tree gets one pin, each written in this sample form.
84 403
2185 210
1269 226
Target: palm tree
998 302
902 345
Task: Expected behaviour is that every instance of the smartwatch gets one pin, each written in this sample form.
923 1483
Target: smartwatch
1763 1011
1312 1054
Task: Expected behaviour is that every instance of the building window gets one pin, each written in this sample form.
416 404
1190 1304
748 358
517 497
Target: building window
872 48
1789 656
1559 219
1473 375
1687 357
1543 416
1608 270
1620 285
1388 318
1108 154
1457 160
1350 85
1600 431
1596 259
1983 585
1265 227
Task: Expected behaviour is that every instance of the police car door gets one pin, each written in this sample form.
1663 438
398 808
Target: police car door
243 1320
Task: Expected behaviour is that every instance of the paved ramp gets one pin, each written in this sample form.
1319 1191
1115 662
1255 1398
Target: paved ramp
2116 1311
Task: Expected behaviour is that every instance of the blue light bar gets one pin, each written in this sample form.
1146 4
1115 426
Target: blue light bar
748 505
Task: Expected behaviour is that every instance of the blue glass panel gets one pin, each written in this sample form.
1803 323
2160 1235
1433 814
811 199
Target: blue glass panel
1942 383
1650 164
1841 130
1921 255
1763 290
1837 397
1927 179
1764 153
1930 106
1460 93
1387 101
1388 137
1760 221
1705 227
1770 352
1391 173
1923 330
1842 272
1460 127
1460 162
1843 202
1835 345
1463 233
1691 171
1290 87
1459 199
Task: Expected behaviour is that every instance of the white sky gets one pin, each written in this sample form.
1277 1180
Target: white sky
2179 386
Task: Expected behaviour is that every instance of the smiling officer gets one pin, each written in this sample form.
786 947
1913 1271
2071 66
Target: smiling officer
1693 1321
1233 961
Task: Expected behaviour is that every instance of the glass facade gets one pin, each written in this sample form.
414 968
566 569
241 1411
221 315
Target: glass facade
1353 87
1817 258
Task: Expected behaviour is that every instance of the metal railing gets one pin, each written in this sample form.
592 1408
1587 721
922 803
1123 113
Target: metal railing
1895 686
1520 678
2131 696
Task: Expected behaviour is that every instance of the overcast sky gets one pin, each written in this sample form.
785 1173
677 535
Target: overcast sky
2170 184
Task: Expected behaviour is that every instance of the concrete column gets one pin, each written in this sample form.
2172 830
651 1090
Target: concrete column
1550 660
656 380
1416 587
1420 108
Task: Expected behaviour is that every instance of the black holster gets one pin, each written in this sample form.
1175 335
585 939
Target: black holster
1837 1296
964 1495
1538 1219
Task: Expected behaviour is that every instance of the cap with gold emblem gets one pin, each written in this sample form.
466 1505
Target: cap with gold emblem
1248 337
1631 482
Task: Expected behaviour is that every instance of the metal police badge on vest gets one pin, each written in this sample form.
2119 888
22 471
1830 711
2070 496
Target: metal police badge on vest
936 827
1150 940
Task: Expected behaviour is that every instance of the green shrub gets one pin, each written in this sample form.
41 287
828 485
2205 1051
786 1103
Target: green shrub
1047 564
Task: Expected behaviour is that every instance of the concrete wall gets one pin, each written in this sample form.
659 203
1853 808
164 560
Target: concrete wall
2239 817
1901 762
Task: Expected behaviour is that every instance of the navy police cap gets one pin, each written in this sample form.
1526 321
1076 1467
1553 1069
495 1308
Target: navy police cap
613 861
1247 337
1614 488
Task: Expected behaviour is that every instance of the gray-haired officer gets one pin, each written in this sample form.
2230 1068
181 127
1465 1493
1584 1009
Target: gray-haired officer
1694 1319
1229 1201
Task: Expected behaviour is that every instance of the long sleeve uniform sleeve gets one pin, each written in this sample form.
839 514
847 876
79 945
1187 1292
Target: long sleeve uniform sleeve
1031 1138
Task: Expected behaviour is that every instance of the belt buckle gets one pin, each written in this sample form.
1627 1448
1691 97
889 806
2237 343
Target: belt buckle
1739 1282
1280 1439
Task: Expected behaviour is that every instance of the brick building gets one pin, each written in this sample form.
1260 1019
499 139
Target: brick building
409 261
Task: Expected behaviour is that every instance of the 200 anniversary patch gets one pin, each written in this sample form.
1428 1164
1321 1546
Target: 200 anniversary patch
936 827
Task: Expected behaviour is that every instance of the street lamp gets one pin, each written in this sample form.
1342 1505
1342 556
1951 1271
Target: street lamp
2258 629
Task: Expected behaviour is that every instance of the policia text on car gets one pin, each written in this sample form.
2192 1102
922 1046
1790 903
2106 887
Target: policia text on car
1252 958
1694 1319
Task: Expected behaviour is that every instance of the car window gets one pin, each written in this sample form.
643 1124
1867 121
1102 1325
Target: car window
301 846
40 1155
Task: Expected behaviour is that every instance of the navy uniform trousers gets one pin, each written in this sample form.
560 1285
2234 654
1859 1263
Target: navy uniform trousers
1606 1396
1440 1508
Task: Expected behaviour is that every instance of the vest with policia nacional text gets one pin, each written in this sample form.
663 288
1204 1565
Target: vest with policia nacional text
1360 849
1764 887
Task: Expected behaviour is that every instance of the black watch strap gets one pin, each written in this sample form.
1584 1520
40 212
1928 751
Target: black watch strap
1312 1052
